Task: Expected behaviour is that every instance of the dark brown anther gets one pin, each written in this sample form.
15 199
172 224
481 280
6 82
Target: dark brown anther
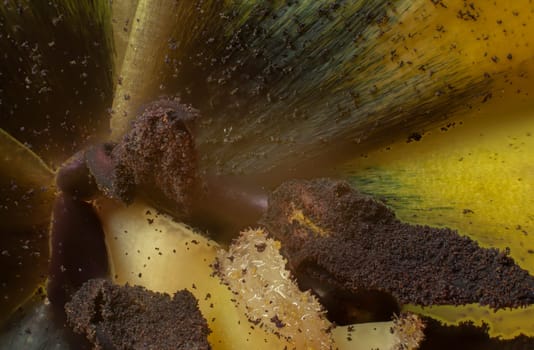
332 233
157 157
78 250
132 317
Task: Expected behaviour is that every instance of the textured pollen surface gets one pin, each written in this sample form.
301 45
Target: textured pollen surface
255 271
157 157
129 318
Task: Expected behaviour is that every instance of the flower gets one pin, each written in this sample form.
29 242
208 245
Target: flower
283 89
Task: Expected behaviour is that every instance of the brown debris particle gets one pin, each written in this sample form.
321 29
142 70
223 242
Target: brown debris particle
260 247
126 317
277 322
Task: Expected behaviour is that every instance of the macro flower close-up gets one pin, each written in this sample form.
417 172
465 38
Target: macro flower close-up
297 174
